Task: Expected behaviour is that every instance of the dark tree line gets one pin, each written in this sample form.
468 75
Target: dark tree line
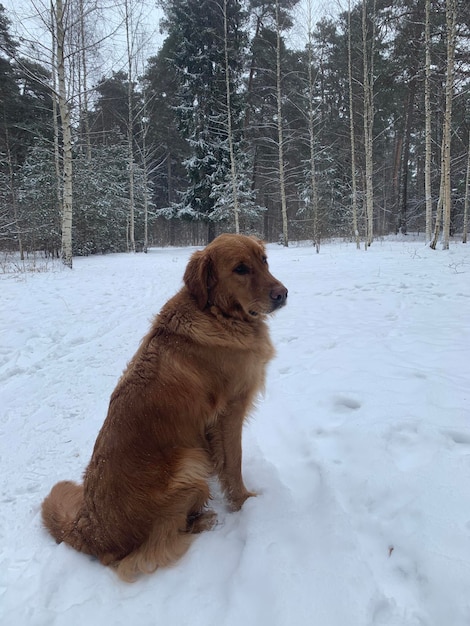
206 118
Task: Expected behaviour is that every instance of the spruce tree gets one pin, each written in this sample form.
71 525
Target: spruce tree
201 41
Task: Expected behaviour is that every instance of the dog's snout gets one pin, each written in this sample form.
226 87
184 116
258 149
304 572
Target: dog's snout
278 295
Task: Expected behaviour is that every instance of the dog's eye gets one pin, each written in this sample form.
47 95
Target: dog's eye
242 269
265 259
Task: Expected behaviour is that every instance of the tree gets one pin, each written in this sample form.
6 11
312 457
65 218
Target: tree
352 136
59 26
38 218
109 117
280 135
25 118
9 100
451 20
233 163
467 194
445 191
407 52
169 148
101 199
273 76
368 44
134 47
311 188
205 37
428 126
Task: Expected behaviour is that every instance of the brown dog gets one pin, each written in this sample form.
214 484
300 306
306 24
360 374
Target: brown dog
175 417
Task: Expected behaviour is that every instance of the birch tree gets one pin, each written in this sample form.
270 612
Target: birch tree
352 135
368 115
440 202
130 58
451 19
59 34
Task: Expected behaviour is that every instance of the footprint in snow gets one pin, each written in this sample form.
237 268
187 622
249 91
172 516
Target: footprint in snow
458 438
344 404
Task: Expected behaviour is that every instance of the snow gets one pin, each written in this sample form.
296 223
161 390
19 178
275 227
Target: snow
360 449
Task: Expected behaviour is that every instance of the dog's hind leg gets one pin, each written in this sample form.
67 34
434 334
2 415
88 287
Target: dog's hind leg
182 514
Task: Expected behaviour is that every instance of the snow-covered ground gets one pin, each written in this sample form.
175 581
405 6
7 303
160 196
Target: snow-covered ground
360 449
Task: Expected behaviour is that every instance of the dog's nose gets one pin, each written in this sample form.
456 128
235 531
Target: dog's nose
278 295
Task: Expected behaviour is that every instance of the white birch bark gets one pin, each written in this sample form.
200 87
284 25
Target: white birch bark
368 87
130 121
352 136
451 11
66 137
437 225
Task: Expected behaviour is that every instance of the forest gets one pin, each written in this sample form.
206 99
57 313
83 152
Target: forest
357 128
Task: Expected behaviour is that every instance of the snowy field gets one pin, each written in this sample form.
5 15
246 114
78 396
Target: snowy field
360 449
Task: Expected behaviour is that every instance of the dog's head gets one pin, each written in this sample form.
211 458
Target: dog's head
232 274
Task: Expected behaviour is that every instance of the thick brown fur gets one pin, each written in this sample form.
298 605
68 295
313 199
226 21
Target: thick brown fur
175 417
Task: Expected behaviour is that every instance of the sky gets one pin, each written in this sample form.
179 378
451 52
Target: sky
26 25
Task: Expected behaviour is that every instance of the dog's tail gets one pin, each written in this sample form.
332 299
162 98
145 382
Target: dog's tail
61 511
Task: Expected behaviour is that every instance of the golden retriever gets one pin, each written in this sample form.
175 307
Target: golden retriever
175 417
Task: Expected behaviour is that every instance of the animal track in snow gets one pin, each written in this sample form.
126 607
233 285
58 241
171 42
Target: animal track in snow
288 339
459 438
346 403
410 444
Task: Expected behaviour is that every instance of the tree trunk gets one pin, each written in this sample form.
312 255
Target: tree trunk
233 164
398 150
368 87
55 124
210 231
66 139
437 226
467 196
84 108
311 132
352 137
146 178
428 131
130 123
403 208
282 184
251 75
447 195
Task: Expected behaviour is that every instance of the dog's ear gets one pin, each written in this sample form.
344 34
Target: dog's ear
199 277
